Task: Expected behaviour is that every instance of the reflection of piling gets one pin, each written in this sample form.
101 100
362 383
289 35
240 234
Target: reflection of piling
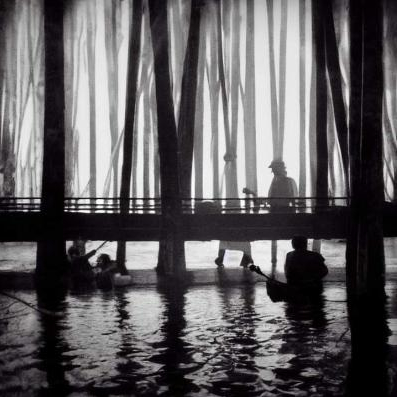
174 352
51 351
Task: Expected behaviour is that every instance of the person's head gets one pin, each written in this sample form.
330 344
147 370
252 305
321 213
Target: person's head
73 252
299 242
103 260
278 167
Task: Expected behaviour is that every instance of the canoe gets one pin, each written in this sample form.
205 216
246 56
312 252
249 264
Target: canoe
120 280
279 291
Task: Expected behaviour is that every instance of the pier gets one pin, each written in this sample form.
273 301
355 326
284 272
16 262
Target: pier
235 220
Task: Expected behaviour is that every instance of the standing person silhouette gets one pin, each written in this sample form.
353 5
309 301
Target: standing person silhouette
244 246
282 193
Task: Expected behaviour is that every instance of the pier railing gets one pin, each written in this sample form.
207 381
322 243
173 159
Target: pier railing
140 205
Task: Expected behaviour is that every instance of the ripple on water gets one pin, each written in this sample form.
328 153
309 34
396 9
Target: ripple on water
202 341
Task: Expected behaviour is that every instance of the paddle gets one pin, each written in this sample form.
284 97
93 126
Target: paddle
257 269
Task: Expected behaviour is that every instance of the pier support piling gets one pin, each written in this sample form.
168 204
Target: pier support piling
51 254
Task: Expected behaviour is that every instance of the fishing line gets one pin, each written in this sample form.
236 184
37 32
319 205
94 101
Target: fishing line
40 310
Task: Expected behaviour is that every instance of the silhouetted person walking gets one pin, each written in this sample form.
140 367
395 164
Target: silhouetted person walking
244 246
281 195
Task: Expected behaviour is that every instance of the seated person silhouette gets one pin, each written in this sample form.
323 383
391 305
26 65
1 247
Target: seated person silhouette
106 269
304 268
81 270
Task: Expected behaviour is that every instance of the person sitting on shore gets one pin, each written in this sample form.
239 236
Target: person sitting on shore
81 270
304 268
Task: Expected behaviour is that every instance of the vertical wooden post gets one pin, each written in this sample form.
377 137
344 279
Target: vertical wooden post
335 80
214 88
302 98
282 77
199 118
249 101
364 254
91 65
171 260
51 249
365 244
272 71
188 101
321 102
129 123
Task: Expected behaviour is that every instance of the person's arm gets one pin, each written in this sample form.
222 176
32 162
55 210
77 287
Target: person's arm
287 265
270 194
88 255
294 191
322 269
111 267
256 201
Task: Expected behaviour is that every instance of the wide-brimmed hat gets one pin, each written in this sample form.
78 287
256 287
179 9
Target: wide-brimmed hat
277 164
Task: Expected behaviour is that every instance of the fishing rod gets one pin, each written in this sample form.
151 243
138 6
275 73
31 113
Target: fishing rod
101 245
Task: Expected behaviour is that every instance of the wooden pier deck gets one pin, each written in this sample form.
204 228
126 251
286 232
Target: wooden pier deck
24 224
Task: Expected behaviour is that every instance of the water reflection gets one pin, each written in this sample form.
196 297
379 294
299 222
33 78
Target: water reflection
174 353
303 342
235 371
53 346
307 315
173 342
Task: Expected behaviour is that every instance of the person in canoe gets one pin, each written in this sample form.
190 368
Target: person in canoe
304 268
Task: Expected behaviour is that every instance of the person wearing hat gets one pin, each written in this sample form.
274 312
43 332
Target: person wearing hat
282 190
281 195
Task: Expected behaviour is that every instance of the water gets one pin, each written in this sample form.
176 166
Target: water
230 341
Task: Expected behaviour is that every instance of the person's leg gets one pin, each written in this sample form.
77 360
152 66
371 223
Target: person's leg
219 259
246 260
274 257
316 246
247 256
